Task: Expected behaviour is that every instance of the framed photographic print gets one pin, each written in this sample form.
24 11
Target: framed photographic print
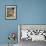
10 11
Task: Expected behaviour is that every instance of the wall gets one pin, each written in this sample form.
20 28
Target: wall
28 12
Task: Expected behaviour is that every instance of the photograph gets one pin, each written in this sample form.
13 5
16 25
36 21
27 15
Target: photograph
10 11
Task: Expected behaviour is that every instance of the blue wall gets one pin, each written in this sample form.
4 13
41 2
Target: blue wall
28 12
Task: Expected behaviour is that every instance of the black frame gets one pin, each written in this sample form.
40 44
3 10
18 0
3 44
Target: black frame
5 12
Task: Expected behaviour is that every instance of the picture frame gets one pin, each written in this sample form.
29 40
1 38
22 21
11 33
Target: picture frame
41 28
10 12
